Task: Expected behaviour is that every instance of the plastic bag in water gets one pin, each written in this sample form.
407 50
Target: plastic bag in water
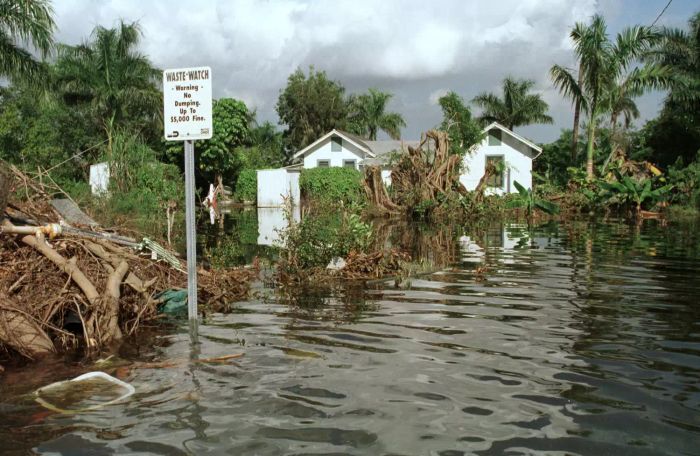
89 391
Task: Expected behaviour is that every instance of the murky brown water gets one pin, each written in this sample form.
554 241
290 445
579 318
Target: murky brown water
576 339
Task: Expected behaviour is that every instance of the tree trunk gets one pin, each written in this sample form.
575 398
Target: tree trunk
591 137
577 120
589 156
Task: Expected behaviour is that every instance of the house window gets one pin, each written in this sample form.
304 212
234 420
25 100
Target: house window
323 163
495 137
349 164
496 180
336 144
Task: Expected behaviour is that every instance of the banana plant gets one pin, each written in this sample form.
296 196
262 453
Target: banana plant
526 199
630 191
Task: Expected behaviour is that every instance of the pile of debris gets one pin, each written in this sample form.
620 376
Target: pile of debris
374 265
67 285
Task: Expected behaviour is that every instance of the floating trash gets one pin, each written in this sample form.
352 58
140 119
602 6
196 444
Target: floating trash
87 392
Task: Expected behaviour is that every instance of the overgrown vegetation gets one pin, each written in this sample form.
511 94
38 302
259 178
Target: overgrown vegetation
332 186
247 186
315 241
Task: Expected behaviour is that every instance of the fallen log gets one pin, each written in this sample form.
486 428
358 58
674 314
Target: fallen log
20 332
68 266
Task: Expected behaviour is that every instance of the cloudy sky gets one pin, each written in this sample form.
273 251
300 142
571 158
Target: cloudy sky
415 49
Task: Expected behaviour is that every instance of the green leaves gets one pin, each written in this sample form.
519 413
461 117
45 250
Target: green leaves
332 186
109 78
310 107
629 191
247 185
24 21
368 115
463 130
222 155
517 107
526 199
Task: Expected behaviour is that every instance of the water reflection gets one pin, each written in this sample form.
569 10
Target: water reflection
272 221
579 338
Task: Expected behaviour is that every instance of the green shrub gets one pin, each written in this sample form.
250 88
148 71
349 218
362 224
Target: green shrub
247 185
332 185
686 183
316 240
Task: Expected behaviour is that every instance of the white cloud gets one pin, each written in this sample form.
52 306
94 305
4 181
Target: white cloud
408 47
435 96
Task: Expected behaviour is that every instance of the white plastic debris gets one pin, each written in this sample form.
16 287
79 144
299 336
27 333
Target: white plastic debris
336 264
86 392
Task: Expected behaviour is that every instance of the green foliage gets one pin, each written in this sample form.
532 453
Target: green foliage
310 107
674 134
555 159
266 149
332 185
679 50
316 240
518 107
607 78
368 115
129 157
109 79
462 129
627 191
140 188
219 156
686 183
28 22
230 123
38 131
247 185
238 244
526 199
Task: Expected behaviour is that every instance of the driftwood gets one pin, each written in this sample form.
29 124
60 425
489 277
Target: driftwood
78 290
21 332
67 266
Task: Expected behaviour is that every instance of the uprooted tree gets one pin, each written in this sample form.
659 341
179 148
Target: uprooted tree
427 173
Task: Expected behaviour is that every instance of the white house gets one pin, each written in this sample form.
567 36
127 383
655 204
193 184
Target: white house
335 148
500 144
339 148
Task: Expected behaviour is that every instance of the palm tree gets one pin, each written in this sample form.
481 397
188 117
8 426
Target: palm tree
115 82
679 50
25 21
369 115
603 83
516 108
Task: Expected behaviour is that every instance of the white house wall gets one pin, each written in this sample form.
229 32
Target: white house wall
348 152
518 167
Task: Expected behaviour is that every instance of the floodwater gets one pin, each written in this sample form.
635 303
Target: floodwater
576 338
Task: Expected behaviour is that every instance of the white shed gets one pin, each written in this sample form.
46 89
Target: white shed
276 185
500 144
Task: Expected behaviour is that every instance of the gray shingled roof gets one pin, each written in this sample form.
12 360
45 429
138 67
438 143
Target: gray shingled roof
384 149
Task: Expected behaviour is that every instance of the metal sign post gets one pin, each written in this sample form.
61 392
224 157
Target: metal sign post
187 115
191 232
